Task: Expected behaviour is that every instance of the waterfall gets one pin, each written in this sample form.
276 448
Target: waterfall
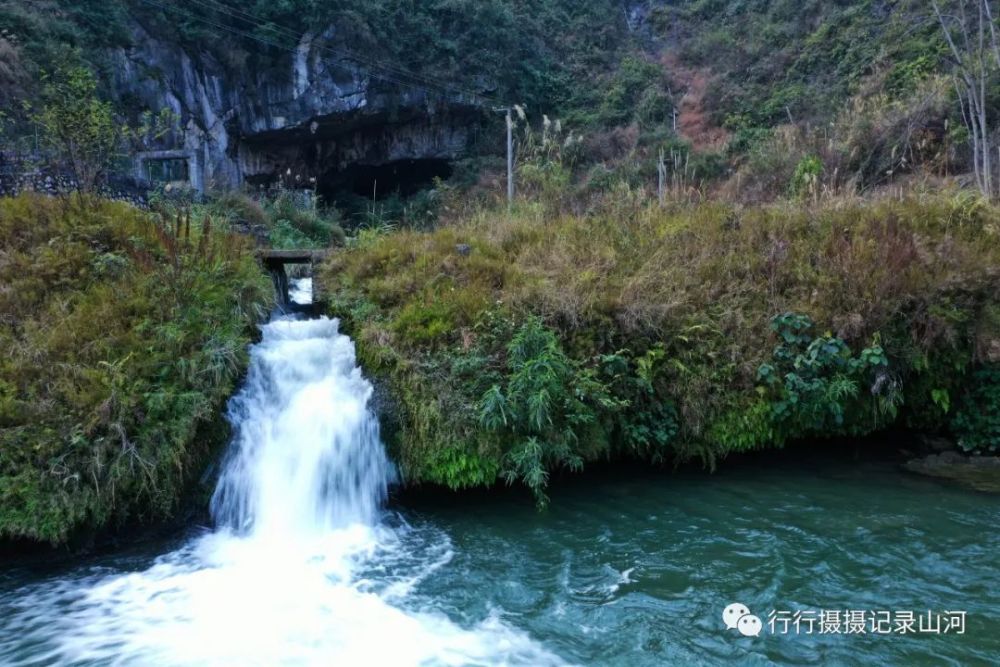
304 566
307 457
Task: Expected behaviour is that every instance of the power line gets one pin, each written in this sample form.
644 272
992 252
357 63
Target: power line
388 73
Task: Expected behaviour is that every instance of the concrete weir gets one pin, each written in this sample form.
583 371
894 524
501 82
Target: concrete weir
275 260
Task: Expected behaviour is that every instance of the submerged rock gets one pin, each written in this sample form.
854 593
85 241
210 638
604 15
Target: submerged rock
981 473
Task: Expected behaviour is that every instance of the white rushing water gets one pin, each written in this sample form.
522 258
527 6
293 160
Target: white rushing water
304 567
300 291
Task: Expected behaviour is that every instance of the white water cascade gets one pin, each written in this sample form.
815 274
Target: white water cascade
307 459
305 567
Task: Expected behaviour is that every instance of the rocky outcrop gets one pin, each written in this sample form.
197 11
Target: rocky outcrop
312 115
978 472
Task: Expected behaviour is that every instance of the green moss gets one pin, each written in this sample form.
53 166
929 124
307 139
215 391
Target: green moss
424 322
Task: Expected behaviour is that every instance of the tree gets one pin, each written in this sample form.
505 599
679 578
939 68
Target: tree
78 126
970 31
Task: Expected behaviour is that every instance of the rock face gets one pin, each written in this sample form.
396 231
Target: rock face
308 118
978 472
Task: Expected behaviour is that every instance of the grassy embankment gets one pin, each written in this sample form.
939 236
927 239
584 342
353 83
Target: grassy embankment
665 334
122 336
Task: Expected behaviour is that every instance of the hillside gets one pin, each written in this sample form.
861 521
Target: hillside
741 92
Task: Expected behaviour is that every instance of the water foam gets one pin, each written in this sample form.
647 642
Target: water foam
303 568
300 291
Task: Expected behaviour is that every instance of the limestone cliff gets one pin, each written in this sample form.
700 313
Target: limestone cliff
310 117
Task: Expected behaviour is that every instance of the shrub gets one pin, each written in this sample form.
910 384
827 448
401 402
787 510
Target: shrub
290 219
240 208
805 180
817 386
644 424
635 89
546 406
80 128
297 222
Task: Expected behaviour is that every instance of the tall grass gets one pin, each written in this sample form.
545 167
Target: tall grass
125 333
693 286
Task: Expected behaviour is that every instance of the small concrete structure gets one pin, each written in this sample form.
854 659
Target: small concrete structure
300 256
195 173
274 261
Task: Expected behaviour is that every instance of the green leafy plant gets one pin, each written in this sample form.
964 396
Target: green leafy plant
977 421
805 180
815 382
545 408
297 221
647 425
79 127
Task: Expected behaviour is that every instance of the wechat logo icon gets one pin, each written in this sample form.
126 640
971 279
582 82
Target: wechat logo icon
737 617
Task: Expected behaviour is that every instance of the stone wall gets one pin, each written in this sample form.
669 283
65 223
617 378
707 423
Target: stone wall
31 173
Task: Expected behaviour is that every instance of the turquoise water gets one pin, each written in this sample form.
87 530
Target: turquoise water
636 568
637 571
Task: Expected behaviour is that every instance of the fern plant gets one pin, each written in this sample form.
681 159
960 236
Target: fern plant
544 410
650 424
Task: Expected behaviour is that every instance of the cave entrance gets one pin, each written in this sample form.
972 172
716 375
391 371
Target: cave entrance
403 178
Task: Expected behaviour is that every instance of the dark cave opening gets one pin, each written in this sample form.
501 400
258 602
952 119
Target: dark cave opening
401 177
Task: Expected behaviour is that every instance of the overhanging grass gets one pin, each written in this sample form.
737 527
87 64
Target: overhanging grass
682 297
121 341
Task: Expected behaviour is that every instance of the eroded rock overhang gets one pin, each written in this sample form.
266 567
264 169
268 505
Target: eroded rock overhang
312 120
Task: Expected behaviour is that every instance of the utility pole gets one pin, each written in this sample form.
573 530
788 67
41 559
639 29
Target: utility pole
661 172
510 153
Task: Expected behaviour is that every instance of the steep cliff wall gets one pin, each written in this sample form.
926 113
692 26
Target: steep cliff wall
308 118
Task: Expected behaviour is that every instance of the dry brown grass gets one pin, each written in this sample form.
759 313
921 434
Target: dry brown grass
702 277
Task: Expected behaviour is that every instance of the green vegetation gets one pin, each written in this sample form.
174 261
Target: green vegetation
80 127
123 336
769 97
977 423
754 300
801 59
289 219
813 384
547 401
670 333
